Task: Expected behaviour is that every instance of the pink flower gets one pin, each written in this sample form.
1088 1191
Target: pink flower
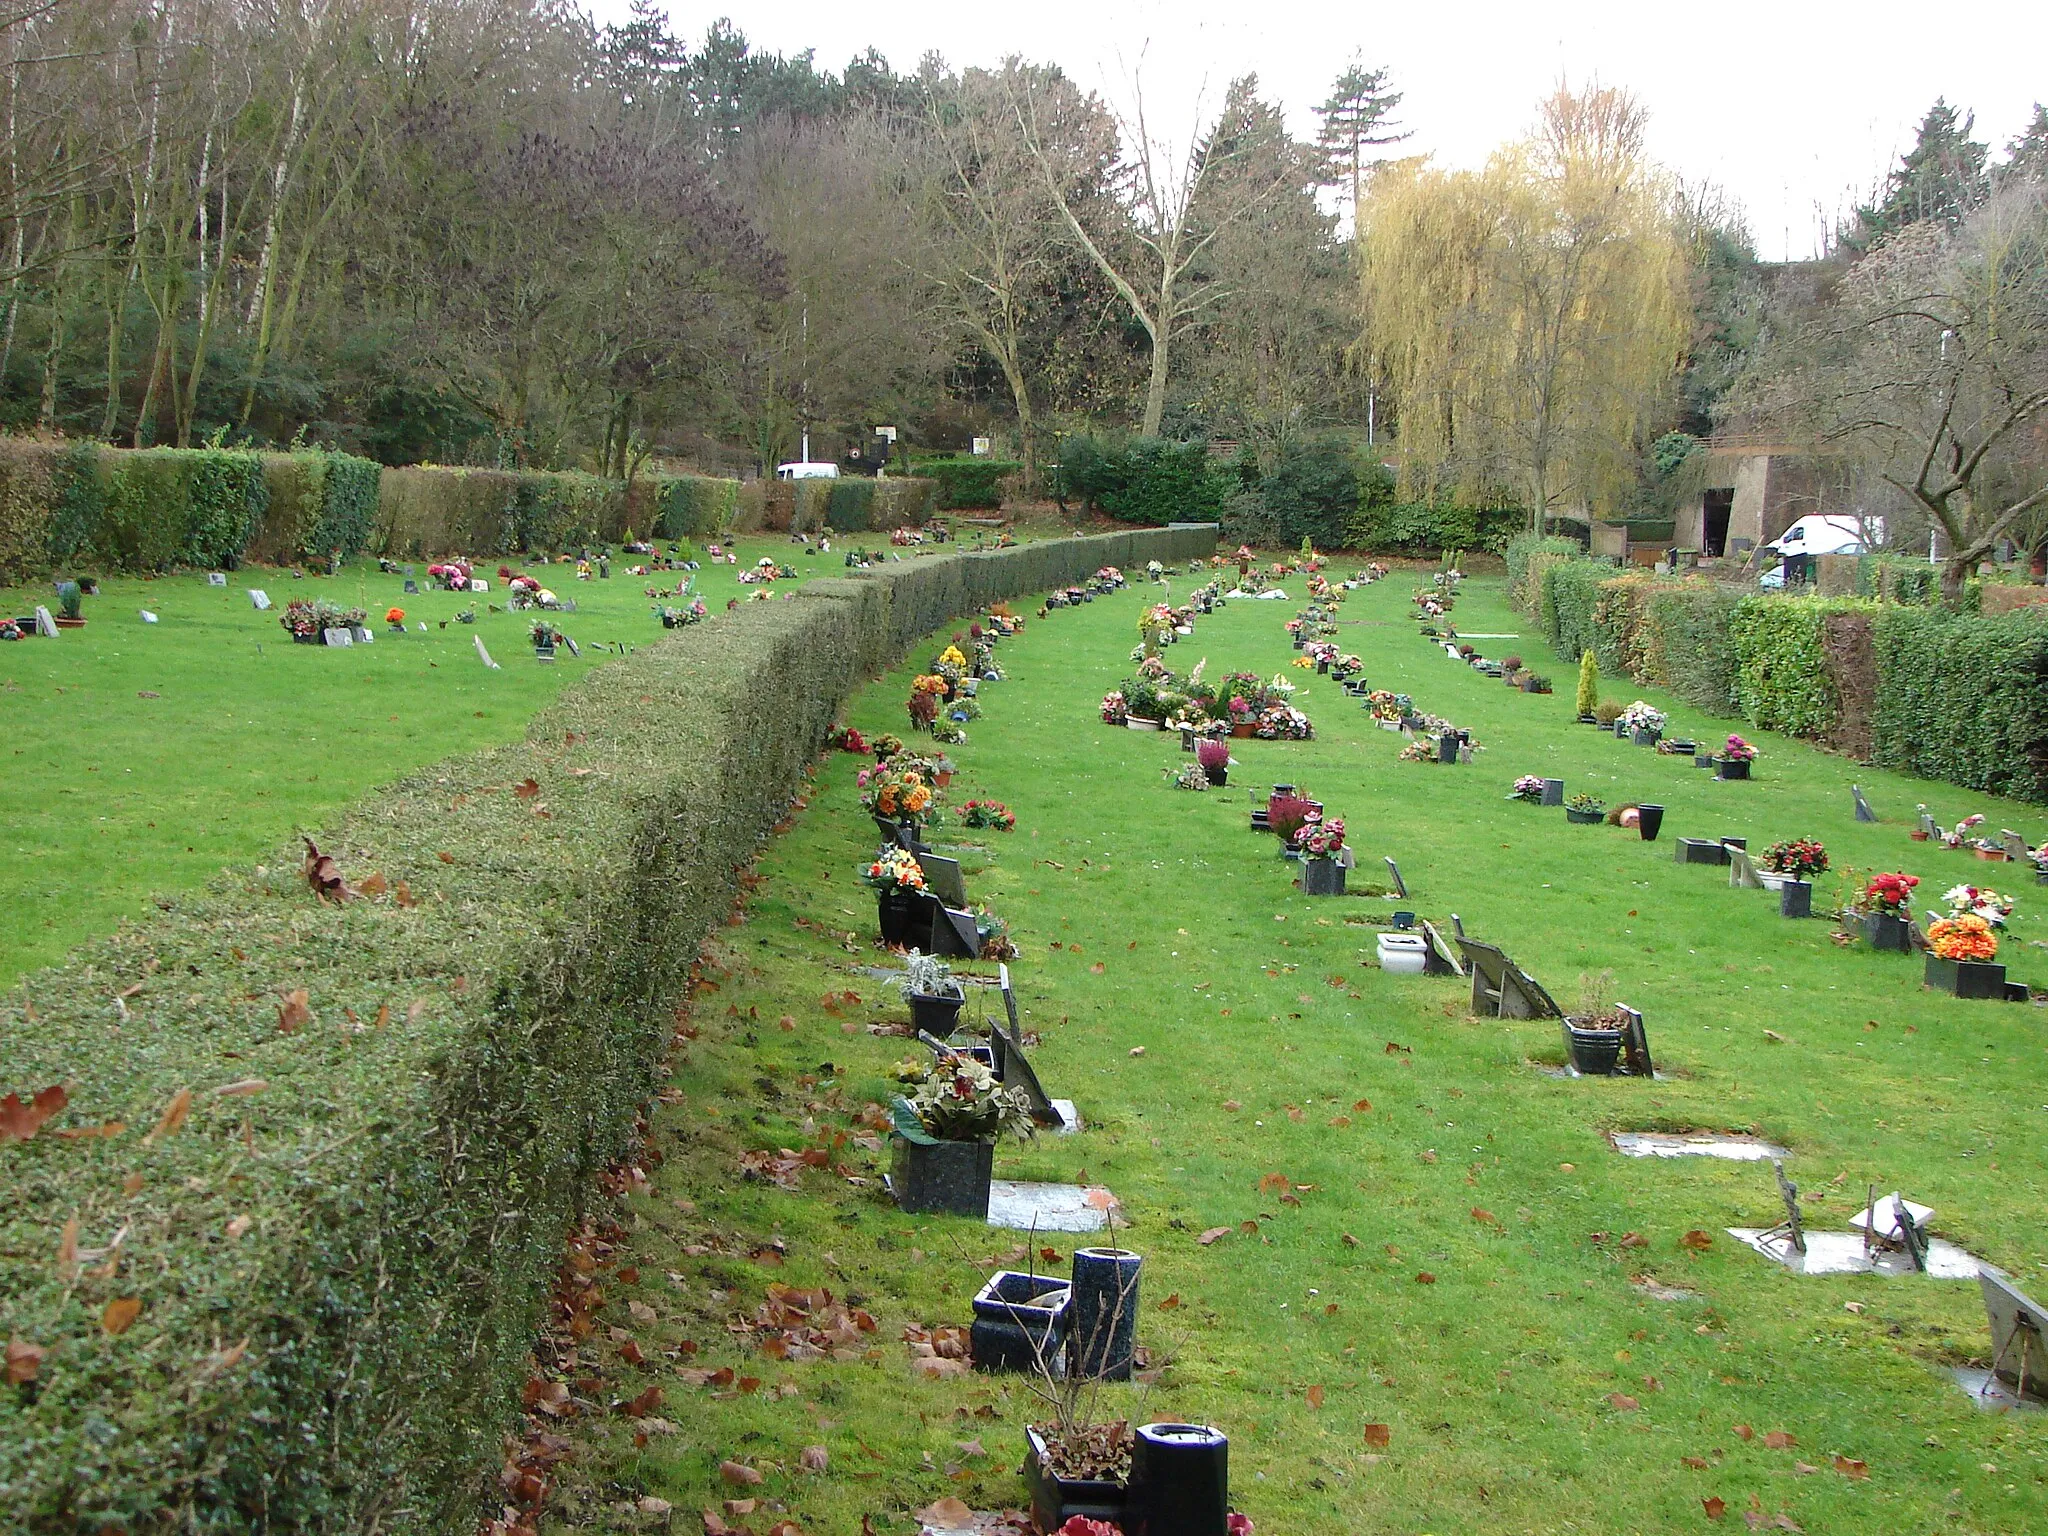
1239 1525
1081 1525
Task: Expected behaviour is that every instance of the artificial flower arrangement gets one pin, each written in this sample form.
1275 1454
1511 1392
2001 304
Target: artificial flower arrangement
886 746
1115 710
1800 857
1346 665
1189 776
1527 787
305 618
1976 901
1963 937
1418 752
1389 706
988 813
1640 716
1738 751
1959 834
9 630
851 740
544 634
677 618
395 617
1888 894
1109 577
951 657
1283 722
951 735
960 1100
453 575
926 692
1155 570
893 794
1320 839
894 870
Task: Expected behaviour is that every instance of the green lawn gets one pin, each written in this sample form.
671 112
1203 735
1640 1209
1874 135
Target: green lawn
145 757
1456 1268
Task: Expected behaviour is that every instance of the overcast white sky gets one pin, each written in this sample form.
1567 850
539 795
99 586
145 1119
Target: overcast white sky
1794 107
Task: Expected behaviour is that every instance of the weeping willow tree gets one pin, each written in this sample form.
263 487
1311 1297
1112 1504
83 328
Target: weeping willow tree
1530 318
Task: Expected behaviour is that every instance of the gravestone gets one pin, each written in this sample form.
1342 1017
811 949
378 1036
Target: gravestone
1015 1069
1741 873
45 625
1553 792
1863 810
1635 1044
259 599
1393 869
1927 825
336 637
943 879
955 932
412 588
574 649
1440 959
2019 1351
216 578
2015 846
484 654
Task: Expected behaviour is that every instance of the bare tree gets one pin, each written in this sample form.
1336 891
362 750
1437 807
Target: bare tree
1930 364
1171 206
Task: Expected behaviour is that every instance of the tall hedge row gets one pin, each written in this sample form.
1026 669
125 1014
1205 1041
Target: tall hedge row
1960 696
1141 479
682 506
342 1145
1964 698
968 485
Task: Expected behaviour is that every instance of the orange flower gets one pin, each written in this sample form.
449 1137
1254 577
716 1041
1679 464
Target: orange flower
1962 938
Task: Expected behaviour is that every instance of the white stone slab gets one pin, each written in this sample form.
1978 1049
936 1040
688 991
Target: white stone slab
1070 1117
1991 1394
1052 1207
1736 1149
1841 1253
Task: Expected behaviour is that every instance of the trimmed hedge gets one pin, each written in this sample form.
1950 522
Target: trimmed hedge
968 485
320 503
1691 650
1782 680
1142 479
1528 556
681 506
410 1153
1964 698
1385 526
1571 589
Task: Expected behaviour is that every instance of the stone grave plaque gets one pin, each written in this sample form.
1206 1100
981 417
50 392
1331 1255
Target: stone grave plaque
259 599
2015 846
484 655
943 879
1553 792
574 649
1018 1073
2019 1351
1863 810
412 588
955 933
336 637
1927 825
1441 959
1741 873
216 578
1393 869
45 625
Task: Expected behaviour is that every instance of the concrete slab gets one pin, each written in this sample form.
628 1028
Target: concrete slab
1841 1253
1990 1394
1736 1149
1052 1207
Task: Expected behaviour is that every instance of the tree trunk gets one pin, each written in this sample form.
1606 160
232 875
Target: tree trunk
1955 570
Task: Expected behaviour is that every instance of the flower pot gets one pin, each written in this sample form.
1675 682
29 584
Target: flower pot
1180 1482
1217 776
936 1016
1881 930
1965 978
1588 720
1703 759
1919 834
1730 768
942 778
1991 855
1103 1330
1649 821
1019 1320
1584 818
901 913
1447 747
1322 666
1795 898
948 1176
1403 954
1594 1052
543 653
1240 731
1055 1500
64 623
1322 877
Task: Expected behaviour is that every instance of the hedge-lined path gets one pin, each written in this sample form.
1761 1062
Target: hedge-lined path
1462 1265
143 758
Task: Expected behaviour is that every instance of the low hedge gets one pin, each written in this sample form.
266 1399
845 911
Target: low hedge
681 506
968 485
430 509
1782 678
320 504
342 1145
1964 698
1385 526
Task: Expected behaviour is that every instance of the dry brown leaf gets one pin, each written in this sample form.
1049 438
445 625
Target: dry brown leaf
1621 1402
1715 1507
1697 1463
402 894
1315 1396
1697 1240
67 1250
173 1116
119 1314
375 885
24 1360
239 1226
295 1012
739 1474
19 1121
526 789
1425 1278
947 1512
1850 1467
323 874
1213 1235
444 856
815 1458
1744 1432
1378 1436
1778 1440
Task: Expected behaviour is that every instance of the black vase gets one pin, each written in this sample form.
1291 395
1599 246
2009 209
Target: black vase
1881 930
1649 820
1180 1482
1729 768
898 913
1594 1052
1102 1339
950 1176
936 1016
1795 898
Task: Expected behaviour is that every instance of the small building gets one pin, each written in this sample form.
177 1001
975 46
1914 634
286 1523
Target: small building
1756 488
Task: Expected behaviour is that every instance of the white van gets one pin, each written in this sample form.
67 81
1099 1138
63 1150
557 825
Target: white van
1819 534
806 471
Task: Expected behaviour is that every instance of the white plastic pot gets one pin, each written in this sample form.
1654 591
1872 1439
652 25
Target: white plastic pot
1403 954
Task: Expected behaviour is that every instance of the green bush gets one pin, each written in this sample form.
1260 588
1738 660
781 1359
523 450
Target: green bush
1691 644
166 507
1571 588
1620 628
850 507
320 503
1383 525
1782 679
903 503
966 485
29 475
1142 479
402 1164
1527 554
1964 697
683 506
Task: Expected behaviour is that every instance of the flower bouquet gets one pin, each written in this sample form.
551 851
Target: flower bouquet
1320 839
1798 858
894 794
395 617
1967 938
1976 901
1528 787
1887 895
1640 716
988 813
1586 810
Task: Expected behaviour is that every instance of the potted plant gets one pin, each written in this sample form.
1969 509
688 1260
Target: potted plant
1605 713
1735 758
1212 756
992 814
1798 858
1960 950
1880 910
1593 1034
933 992
1644 723
1320 842
897 880
1589 688
395 617
544 636
1585 810
945 1136
70 602
1532 682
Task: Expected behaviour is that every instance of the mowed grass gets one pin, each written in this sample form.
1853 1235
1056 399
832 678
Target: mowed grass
1456 1268
145 757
